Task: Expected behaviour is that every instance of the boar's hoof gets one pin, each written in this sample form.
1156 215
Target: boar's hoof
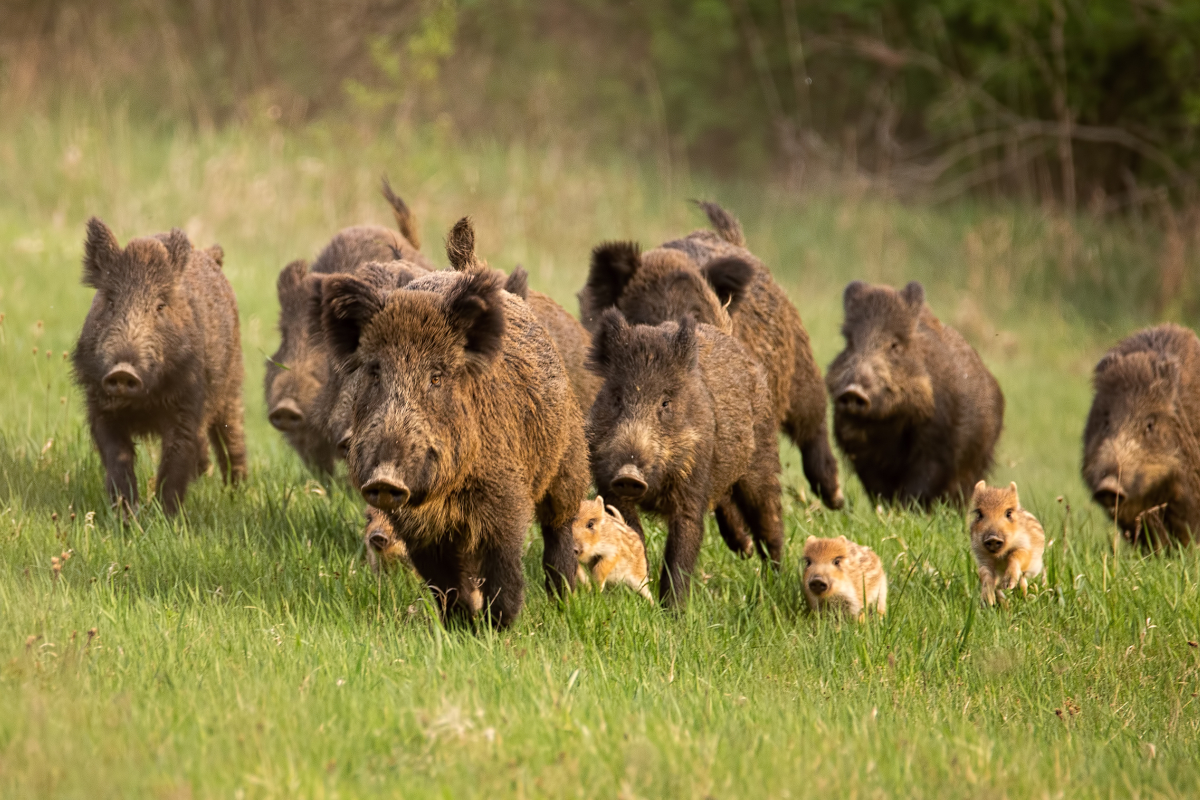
123 381
629 482
1108 493
854 400
386 494
286 415
818 586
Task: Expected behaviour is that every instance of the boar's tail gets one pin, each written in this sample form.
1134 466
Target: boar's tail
518 282
725 224
405 220
217 254
460 247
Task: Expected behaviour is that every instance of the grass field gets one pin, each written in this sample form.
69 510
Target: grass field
243 650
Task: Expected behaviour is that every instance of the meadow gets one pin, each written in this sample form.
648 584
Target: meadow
244 650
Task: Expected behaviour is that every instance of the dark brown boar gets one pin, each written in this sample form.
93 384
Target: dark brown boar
160 355
713 278
463 427
1140 454
683 421
915 410
299 369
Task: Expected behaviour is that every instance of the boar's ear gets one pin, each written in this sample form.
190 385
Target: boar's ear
613 265
460 245
729 278
854 291
611 330
1166 369
476 309
217 254
310 290
100 252
347 305
179 248
684 346
518 282
290 280
914 295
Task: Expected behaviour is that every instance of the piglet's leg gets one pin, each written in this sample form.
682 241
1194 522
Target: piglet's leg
987 586
118 455
684 534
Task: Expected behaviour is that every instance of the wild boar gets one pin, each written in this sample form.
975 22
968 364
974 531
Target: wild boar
1141 459
299 368
713 278
160 355
1008 542
682 422
463 427
843 576
915 410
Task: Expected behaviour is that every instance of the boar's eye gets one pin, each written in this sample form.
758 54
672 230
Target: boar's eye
666 403
373 372
435 379
896 345
1150 425
161 305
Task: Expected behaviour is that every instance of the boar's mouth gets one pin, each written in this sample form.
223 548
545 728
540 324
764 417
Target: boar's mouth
1126 502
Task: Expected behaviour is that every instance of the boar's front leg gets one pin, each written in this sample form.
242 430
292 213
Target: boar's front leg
118 455
180 457
685 532
503 583
440 565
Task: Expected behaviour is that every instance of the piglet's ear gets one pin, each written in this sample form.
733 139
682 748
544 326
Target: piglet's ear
613 329
1012 488
100 253
616 514
613 265
460 246
853 293
729 278
179 248
475 307
914 295
518 282
684 346
347 305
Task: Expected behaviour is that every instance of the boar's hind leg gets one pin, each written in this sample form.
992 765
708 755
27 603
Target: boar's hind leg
758 498
229 442
684 533
820 465
557 511
118 455
180 457
733 528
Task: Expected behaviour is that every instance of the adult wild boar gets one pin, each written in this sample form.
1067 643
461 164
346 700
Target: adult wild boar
464 427
683 421
713 278
915 410
160 355
299 368
1140 453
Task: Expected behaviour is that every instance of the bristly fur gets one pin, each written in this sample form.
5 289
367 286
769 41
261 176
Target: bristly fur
100 250
404 218
474 305
179 247
460 246
613 264
518 282
729 278
348 303
725 224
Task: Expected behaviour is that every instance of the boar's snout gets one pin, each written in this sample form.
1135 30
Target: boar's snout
854 400
123 381
386 491
818 585
1109 493
993 542
629 482
286 415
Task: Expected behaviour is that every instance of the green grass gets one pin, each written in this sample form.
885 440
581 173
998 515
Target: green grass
243 650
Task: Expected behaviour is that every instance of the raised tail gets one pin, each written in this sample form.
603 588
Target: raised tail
725 224
405 220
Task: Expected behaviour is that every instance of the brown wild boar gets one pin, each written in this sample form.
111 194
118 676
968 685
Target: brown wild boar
609 550
1007 541
682 422
915 410
842 576
464 427
160 355
299 368
712 277
1141 458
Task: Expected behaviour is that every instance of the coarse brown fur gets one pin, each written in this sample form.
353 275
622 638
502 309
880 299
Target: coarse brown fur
464 427
299 369
683 421
915 410
609 550
842 576
1007 540
160 355
1141 458
716 280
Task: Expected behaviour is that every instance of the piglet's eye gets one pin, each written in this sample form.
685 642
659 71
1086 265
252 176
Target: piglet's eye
591 524
978 514
837 562
1009 513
